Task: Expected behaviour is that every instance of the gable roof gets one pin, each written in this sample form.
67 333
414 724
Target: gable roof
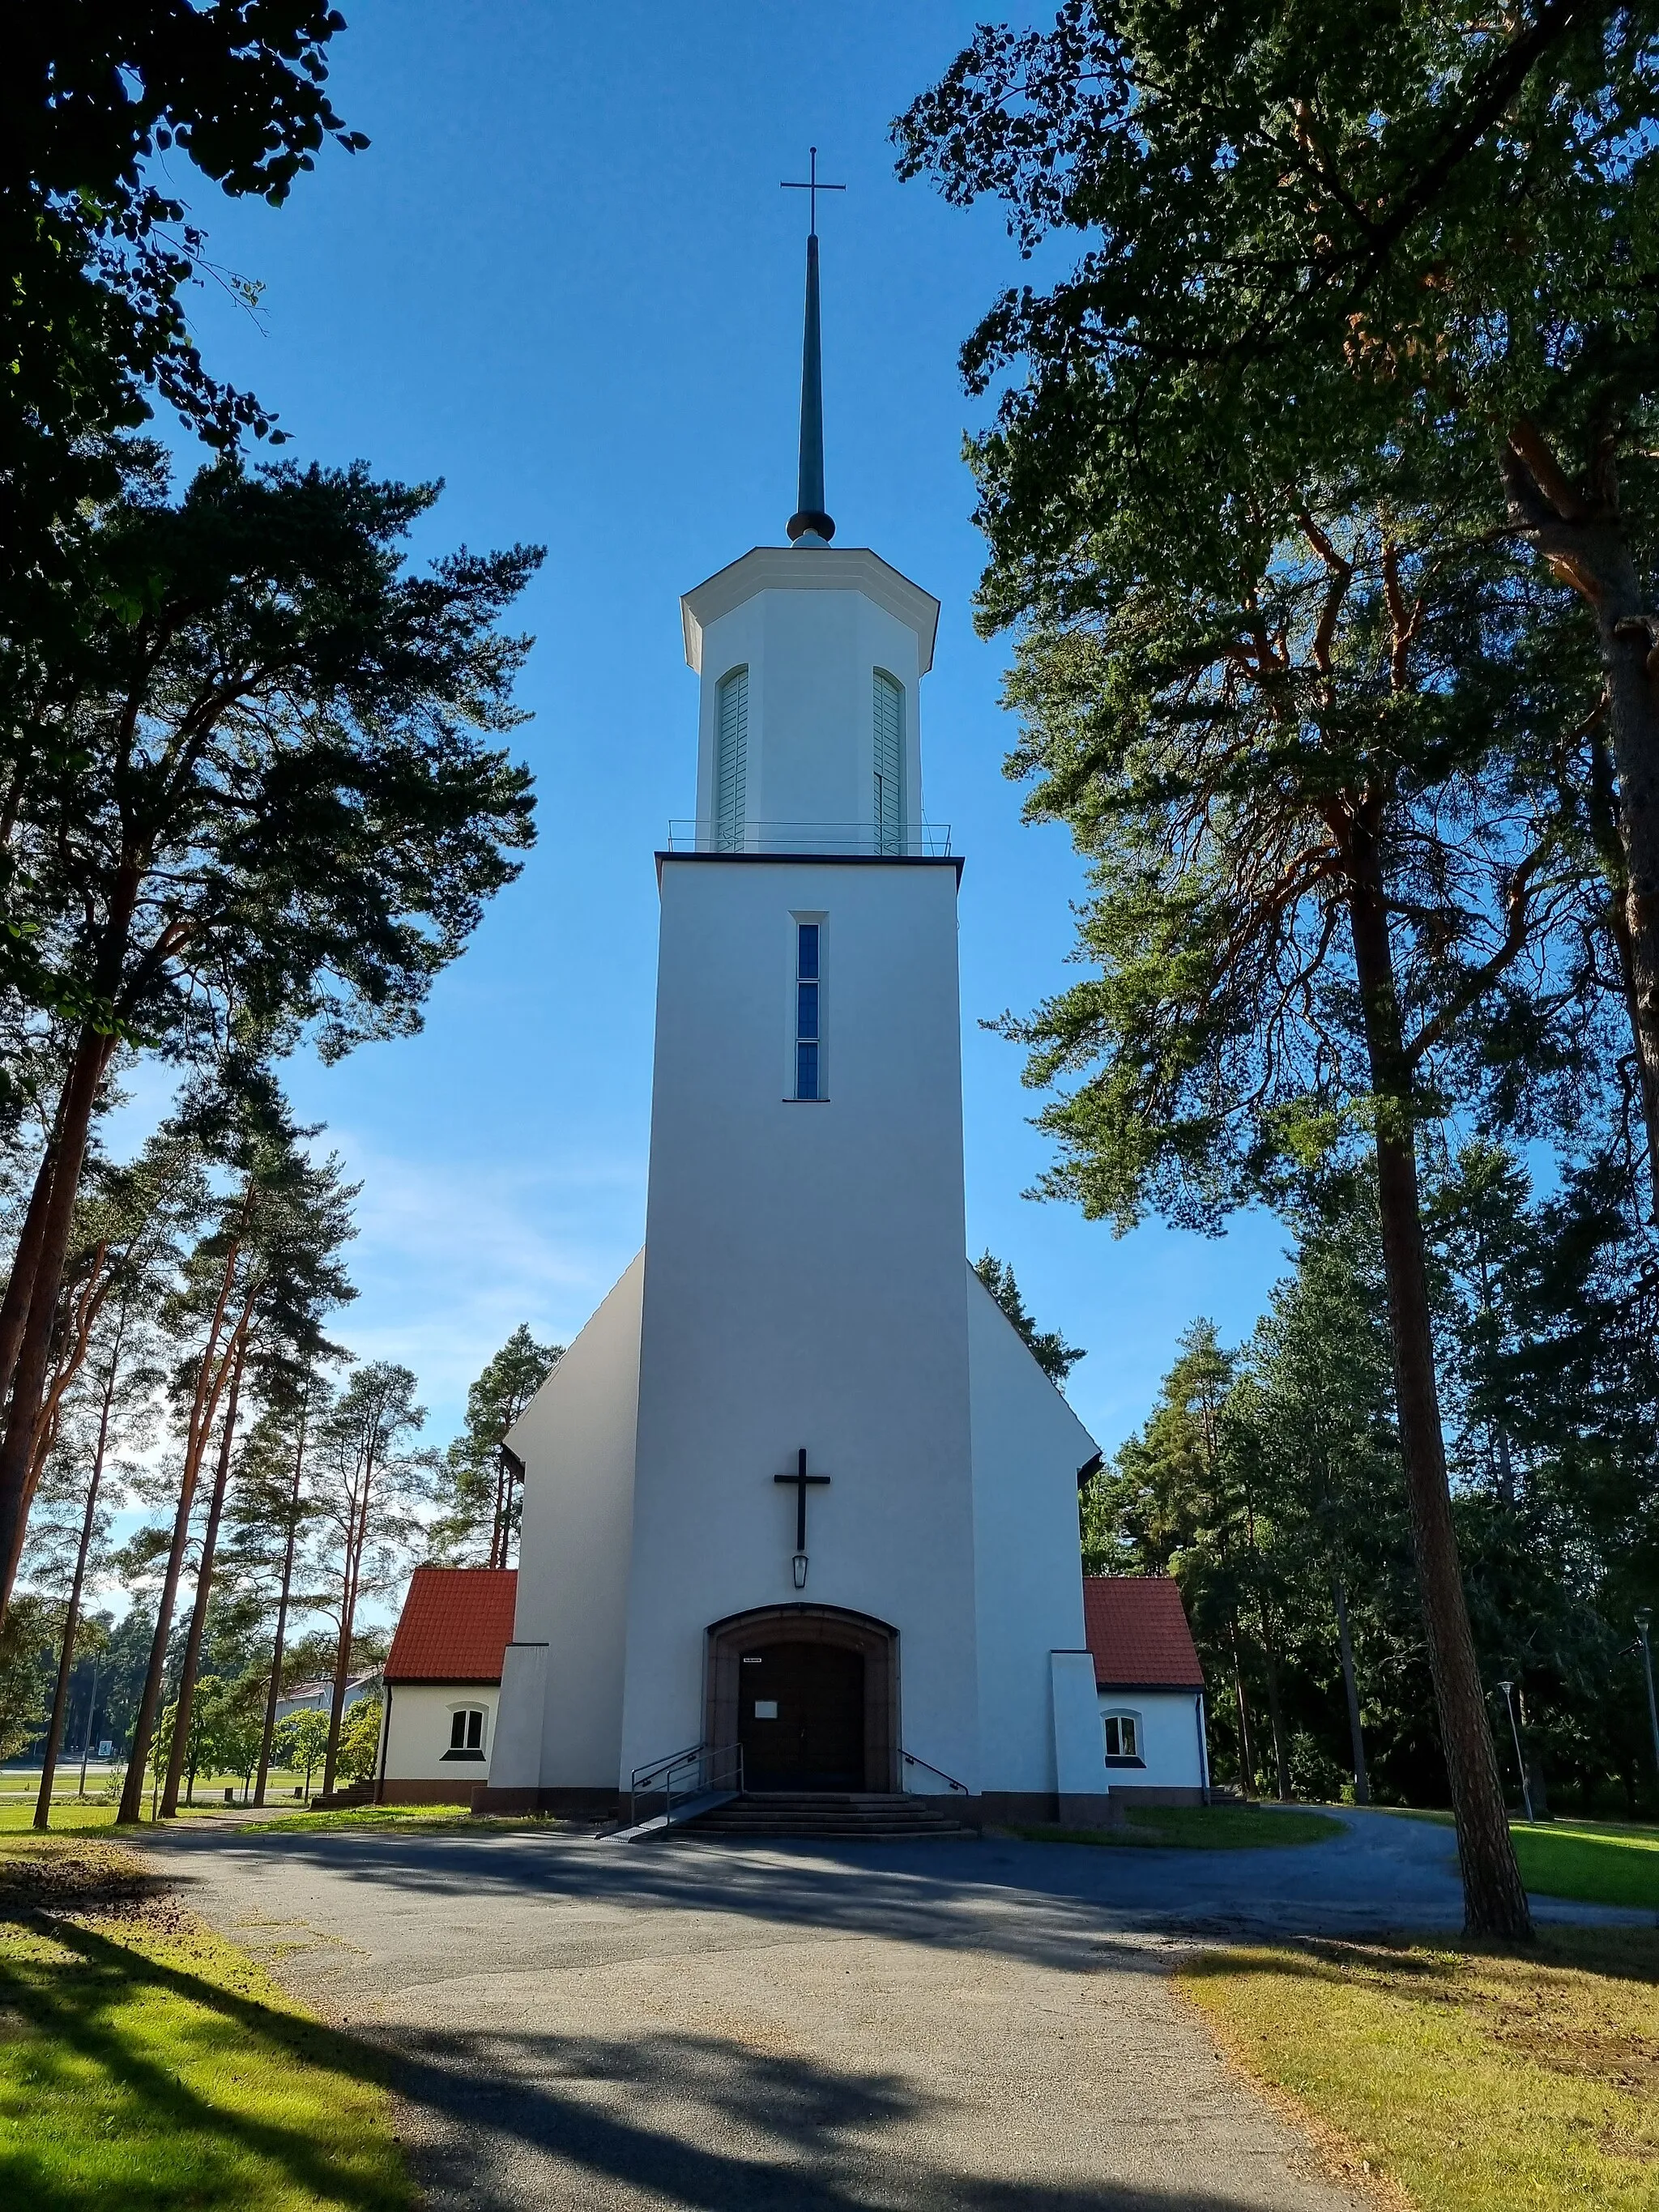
455 1625
1137 1633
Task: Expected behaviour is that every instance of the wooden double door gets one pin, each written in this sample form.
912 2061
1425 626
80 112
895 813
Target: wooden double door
800 1717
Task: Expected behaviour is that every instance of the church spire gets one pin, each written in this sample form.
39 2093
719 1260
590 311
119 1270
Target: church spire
810 525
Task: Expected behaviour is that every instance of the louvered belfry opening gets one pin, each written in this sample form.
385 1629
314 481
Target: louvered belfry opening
889 764
731 762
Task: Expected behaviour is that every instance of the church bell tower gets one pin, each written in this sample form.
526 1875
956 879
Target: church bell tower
769 1509
803 1282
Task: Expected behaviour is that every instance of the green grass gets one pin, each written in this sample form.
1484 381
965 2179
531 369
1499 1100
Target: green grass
71 1818
363 1816
1198 1828
1593 1861
147 2066
73 1815
1461 2080
1596 1861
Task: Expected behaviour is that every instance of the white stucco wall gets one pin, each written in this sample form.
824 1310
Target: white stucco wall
417 1734
1170 1740
576 1440
805 1286
1028 1445
812 654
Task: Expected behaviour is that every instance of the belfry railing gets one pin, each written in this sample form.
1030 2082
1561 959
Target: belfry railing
927 841
655 1790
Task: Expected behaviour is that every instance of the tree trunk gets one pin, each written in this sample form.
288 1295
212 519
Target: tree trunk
92 1714
27 1319
1362 1787
1494 1899
1275 1712
66 1664
1247 1749
1604 823
33 1361
1628 648
204 1587
1269 1653
1584 541
20 1284
498 1527
274 1695
355 1542
201 1425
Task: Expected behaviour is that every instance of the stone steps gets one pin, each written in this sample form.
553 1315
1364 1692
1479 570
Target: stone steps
834 1815
340 1801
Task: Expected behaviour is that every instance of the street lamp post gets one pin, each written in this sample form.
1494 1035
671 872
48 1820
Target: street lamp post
1508 1688
92 1709
1644 1620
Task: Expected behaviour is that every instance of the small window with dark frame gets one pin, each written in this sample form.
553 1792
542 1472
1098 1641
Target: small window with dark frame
1123 1738
809 1014
466 1725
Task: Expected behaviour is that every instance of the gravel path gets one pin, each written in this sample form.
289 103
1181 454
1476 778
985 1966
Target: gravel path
983 2027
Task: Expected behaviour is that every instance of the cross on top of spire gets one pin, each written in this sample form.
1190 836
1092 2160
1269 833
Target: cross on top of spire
811 188
810 525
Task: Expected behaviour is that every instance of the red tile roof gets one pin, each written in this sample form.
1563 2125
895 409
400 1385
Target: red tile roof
455 1624
1136 1627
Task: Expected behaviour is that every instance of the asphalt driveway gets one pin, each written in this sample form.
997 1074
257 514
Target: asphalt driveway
986 2027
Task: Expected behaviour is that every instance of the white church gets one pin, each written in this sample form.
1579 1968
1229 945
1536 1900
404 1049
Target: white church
799 1498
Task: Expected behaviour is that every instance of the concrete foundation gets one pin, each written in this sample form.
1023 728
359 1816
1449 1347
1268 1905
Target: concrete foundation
561 1804
457 1792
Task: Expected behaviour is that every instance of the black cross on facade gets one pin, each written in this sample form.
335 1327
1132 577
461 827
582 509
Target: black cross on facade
802 1481
813 188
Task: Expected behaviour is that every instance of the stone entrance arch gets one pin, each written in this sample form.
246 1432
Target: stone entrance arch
878 1644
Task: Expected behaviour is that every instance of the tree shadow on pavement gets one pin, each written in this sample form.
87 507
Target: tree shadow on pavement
1034 1901
506 2122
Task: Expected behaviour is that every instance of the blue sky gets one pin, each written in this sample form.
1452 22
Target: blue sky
563 278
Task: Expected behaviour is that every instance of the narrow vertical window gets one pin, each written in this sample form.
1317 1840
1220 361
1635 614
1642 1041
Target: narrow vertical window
809 1034
731 761
890 764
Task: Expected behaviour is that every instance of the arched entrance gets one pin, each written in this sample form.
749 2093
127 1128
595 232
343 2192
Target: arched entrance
811 1693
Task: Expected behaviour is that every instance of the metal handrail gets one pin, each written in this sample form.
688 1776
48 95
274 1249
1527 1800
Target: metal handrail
684 1774
950 1780
642 1776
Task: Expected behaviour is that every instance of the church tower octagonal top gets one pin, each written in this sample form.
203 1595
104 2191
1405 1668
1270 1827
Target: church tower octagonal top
810 658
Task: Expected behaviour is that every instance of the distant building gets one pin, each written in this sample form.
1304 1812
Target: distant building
443 1677
1150 1687
318 1697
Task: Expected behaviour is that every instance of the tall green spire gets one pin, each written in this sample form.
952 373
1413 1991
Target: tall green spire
810 525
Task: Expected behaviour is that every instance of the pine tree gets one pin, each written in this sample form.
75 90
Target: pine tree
1049 1348
270 810
480 1477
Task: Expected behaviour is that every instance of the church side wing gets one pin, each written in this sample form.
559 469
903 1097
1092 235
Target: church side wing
1028 1445
561 1723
